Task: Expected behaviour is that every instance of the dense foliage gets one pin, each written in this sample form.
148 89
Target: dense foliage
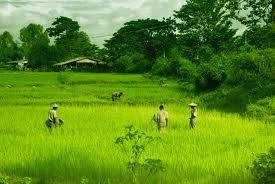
264 167
201 43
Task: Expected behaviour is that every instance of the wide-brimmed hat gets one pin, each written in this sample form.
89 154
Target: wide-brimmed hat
193 104
55 105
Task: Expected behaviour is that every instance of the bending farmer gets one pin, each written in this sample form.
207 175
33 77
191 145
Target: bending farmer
116 95
53 121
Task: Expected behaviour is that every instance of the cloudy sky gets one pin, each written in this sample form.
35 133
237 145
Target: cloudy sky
96 17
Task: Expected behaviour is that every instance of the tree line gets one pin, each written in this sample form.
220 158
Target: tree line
198 43
69 42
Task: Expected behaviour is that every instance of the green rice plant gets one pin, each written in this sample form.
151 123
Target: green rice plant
218 151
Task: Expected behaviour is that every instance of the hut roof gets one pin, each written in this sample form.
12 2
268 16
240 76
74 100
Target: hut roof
81 60
18 61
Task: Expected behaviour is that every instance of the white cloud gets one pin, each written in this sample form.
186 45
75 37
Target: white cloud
96 17
7 9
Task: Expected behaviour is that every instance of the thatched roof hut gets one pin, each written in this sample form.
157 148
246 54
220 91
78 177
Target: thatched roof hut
81 61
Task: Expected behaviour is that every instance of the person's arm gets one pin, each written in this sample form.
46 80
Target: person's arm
167 119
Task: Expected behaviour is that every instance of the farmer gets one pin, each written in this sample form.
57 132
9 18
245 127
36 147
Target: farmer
162 82
193 115
53 121
116 95
162 118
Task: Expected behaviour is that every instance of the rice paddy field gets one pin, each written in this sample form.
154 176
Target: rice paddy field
218 151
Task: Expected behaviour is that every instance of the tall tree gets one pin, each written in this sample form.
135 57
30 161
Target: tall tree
31 36
205 28
260 12
70 42
8 48
35 43
63 26
149 37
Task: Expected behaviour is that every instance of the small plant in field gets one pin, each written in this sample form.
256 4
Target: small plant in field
4 179
14 180
84 181
64 78
263 168
134 143
26 180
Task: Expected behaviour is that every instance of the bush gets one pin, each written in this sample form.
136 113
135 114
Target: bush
64 78
123 64
212 74
134 63
254 66
161 67
187 70
141 64
174 65
262 109
263 168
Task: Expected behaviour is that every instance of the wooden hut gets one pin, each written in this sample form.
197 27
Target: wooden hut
81 62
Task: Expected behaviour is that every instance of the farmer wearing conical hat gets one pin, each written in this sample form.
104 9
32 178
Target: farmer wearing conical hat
53 121
193 115
162 118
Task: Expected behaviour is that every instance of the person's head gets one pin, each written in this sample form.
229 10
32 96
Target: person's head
161 107
55 106
193 105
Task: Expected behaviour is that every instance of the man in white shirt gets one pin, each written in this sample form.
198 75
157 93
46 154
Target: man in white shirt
162 118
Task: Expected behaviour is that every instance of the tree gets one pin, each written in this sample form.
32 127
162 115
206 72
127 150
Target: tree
8 48
260 20
261 37
148 37
261 12
63 26
31 36
70 42
205 28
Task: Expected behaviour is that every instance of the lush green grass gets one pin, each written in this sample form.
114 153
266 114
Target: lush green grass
218 151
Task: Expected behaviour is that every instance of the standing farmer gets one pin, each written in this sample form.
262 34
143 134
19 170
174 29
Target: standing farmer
162 118
193 115
116 95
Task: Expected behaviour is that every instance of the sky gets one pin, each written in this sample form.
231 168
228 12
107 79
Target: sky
96 17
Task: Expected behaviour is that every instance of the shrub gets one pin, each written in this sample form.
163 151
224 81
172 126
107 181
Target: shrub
254 66
187 70
131 63
212 74
161 67
263 168
141 64
174 65
262 109
134 143
123 64
64 78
